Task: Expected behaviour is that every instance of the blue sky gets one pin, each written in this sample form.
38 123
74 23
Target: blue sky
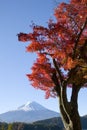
15 89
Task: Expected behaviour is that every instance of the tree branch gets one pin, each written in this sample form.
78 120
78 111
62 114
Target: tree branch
74 96
77 40
64 103
57 85
74 99
58 70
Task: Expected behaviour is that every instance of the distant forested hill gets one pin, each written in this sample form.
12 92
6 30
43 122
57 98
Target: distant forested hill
49 124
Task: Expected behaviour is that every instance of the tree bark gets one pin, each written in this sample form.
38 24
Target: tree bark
72 123
69 110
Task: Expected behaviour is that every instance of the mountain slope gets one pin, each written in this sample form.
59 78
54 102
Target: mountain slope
57 121
31 106
28 113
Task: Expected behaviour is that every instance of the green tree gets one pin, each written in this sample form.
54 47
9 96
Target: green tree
10 126
2 127
61 62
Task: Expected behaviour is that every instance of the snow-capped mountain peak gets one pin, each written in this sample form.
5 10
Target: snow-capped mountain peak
29 112
31 106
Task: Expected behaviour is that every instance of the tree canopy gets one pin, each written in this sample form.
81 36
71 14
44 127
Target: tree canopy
61 48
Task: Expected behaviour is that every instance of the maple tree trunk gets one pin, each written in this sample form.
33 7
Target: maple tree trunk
72 123
69 110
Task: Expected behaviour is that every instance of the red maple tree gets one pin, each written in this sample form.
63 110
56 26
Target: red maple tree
61 62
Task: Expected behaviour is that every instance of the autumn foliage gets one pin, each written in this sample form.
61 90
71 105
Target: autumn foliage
61 48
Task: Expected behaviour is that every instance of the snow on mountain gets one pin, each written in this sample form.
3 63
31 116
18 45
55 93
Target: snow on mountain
31 106
29 112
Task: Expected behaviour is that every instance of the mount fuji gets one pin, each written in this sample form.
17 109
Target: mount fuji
28 113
